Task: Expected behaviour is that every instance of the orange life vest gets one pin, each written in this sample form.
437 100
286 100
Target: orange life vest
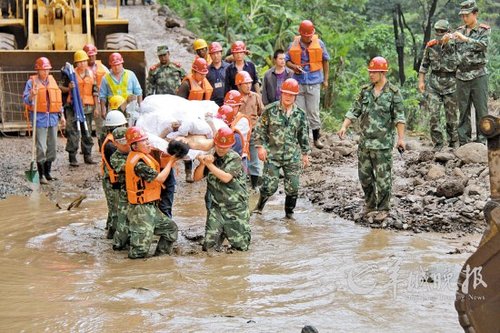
245 141
197 92
138 190
99 71
314 50
113 177
85 86
52 91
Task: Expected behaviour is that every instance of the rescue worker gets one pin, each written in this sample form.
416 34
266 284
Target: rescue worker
282 141
164 77
379 108
239 51
88 96
240 125
42 88
119 81
227 215
110 185
308 57
99 71
217 73
274 78
143 181
440 61
472 41
252 107
200 47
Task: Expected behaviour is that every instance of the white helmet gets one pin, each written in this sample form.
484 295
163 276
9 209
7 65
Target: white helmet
115 118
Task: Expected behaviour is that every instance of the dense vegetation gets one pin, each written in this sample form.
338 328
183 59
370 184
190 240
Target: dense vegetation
354 31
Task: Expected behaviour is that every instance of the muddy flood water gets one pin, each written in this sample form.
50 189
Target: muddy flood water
59 274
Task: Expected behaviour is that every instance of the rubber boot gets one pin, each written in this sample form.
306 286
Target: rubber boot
48 167
260 204
111 233
290 203
254 180
164 247
88 159
317 143
189 171
41 173
72 160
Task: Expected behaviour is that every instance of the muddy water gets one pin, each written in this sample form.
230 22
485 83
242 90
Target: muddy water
59 274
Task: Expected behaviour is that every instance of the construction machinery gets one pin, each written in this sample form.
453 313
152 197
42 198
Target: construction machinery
55 29
478 295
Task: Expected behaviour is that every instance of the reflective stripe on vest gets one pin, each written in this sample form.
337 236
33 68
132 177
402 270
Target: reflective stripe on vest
113 177
314 50
52 91
197 92
138 190
118 88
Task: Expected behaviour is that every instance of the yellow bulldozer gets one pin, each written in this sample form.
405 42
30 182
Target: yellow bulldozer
54 29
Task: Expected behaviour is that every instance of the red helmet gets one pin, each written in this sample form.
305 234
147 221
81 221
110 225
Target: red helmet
90 49
115 59
378 64
135 134
42 63
238 47
226 113
200 65
306 28
290 86
215 47
242 77
224 138
233 98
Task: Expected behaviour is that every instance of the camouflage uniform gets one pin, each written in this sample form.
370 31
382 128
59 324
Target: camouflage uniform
146 220
377 119
286 139
472 75
164 79
111 191
120 238
441 60
228 213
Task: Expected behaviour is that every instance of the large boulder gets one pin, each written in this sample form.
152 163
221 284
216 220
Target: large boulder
451 187
443 156
472 152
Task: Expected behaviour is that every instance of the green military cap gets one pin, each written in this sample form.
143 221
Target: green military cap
162 50
467 7
119 134
442 25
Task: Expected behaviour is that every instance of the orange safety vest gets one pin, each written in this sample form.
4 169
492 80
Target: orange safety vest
52 91
138 190
197 92
246 141
85 86
314 50
99 72
113 176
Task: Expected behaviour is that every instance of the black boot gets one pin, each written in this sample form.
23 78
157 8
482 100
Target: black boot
290 203
88 159
111 233
254 180
41 173
189 171
48 167
260 204
164 247
72 160
316 135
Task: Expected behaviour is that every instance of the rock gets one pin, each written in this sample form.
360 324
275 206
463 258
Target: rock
344 150
459 173
425 155
164 11
418 181
485 173
472 152
473 190
443 157
479 205
451 187
172 22
435 172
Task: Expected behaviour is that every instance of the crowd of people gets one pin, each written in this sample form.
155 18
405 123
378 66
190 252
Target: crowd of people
268 127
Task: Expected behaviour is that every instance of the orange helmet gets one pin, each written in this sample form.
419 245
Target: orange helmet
306 28
115 59
200 65
90 49
238 47
224 138
135 134
42 63
378 64
226 113
215 47
242 77
233 98
290 86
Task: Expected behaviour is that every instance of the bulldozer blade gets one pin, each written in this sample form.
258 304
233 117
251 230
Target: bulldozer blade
32 174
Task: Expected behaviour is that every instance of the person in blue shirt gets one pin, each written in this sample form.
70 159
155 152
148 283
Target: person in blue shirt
217 73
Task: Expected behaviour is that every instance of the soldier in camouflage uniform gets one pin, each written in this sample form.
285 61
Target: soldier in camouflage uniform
379 108
472 41
441 61
227 194
282 141
117 161
164 77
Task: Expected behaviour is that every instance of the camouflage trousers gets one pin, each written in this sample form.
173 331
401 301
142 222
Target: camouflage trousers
471 92
111 201
271 174
228 222
121 236
146 220
449 103
74 136
375 175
